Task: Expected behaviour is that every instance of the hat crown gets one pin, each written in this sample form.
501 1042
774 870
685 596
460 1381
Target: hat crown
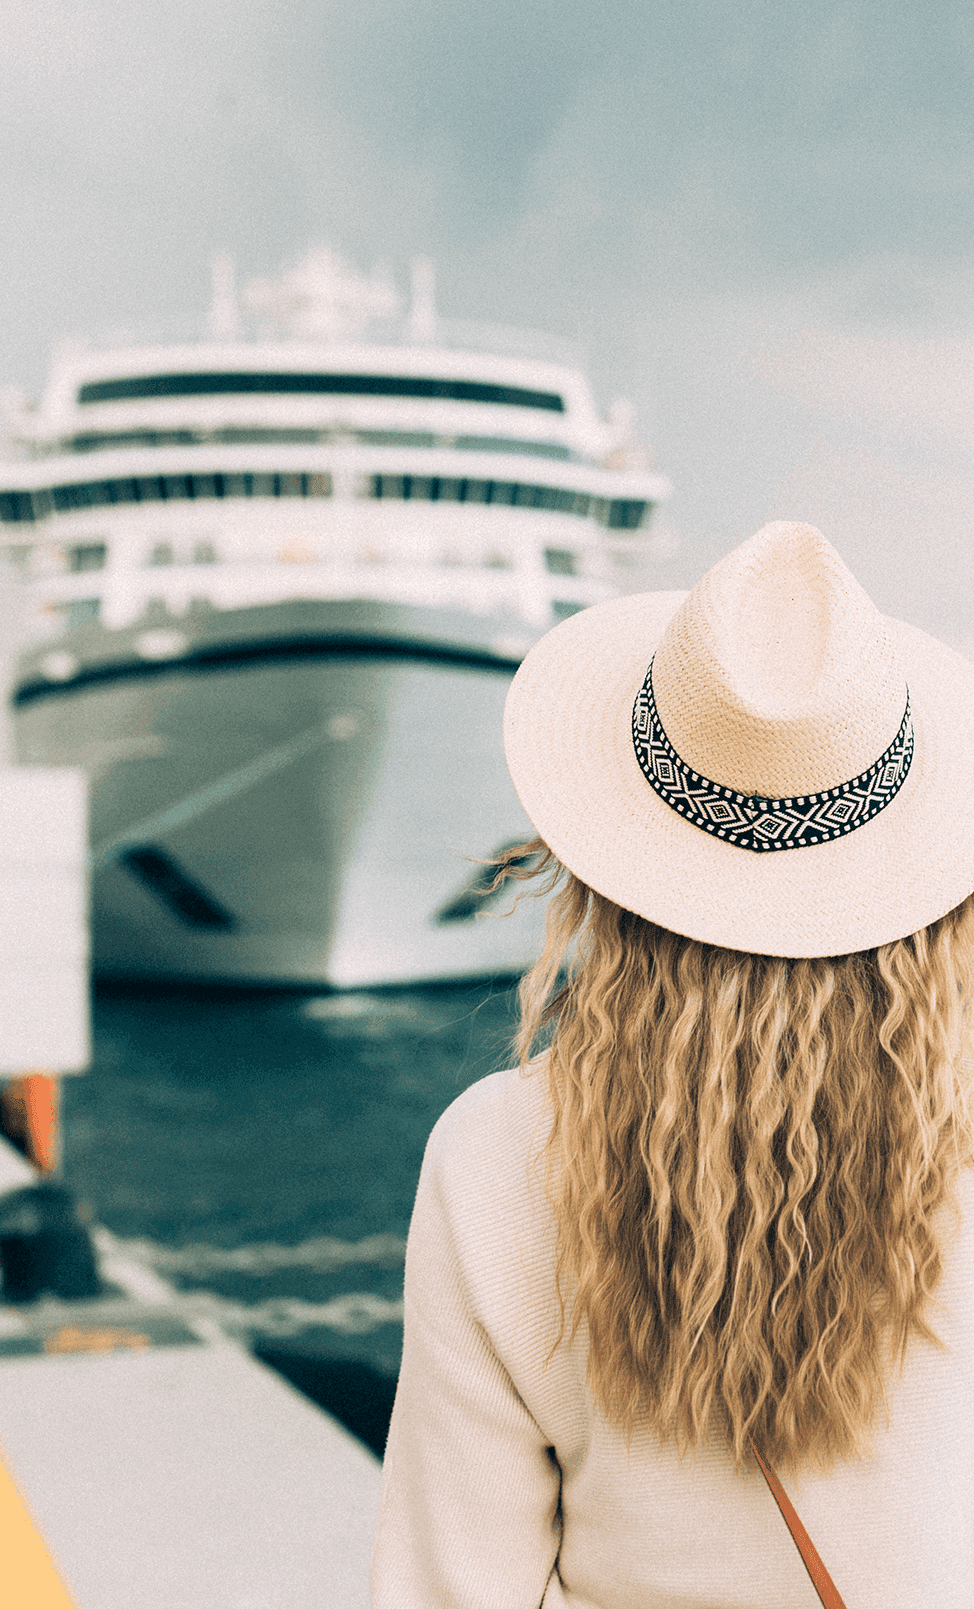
777 675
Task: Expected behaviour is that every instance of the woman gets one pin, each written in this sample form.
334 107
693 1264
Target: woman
730 1210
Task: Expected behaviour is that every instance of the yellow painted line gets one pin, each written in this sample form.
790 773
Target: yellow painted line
27 1565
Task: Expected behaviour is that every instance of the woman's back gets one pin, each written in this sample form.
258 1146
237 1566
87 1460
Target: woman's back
471 1485
733 1208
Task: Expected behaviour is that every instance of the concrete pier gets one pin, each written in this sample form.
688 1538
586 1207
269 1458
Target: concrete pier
163 1467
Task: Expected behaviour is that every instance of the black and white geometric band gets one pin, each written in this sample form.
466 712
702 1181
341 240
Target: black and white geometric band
753 822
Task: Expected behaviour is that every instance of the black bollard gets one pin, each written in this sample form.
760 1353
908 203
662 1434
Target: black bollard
45 1249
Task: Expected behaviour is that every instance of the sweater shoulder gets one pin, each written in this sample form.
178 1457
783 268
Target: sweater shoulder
500 1118
484 1159
482 1207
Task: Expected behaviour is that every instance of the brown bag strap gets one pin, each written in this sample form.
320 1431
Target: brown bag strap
827 1591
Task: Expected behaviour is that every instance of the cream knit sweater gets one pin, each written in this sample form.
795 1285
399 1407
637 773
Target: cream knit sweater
504 1488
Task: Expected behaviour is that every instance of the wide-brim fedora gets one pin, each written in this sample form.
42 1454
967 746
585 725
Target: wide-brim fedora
765 763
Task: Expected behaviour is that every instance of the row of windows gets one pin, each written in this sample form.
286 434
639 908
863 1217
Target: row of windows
256 436
26 506
618 514
87 556
135 387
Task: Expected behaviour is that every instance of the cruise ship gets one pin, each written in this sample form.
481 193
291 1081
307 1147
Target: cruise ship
277 580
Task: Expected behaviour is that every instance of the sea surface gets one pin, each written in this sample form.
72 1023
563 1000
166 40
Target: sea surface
261 1151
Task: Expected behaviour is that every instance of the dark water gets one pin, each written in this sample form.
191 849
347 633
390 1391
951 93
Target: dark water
261 1151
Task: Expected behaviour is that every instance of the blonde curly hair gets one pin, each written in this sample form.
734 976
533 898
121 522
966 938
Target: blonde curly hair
746 1158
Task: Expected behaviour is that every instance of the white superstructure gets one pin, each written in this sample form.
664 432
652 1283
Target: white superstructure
289 577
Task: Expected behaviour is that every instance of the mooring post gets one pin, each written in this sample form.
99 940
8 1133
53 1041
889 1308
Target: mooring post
44 989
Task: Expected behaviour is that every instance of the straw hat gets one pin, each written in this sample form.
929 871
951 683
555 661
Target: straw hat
765 763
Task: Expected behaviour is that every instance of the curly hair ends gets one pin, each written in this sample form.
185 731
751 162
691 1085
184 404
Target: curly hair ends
746 1158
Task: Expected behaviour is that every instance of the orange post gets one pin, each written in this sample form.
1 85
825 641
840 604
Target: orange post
29 1117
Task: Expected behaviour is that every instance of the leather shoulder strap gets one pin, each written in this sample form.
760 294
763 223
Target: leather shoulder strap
821 1580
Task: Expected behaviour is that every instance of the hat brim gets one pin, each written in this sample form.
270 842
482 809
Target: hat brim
568 741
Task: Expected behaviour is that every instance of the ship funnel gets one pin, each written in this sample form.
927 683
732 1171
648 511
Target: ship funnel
422 311
224 319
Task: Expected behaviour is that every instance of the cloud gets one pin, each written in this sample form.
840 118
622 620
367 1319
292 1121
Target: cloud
757 220
914 385
904 529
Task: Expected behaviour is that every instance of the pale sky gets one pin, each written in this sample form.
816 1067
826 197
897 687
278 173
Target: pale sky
757 221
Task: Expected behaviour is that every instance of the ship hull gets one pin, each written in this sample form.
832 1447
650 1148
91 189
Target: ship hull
298 793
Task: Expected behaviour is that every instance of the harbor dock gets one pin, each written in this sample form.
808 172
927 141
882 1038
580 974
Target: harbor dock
161 1466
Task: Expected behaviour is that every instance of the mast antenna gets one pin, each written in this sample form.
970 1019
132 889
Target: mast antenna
422 312
224 319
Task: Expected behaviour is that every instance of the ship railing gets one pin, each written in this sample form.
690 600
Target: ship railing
463 335
427 536
124 598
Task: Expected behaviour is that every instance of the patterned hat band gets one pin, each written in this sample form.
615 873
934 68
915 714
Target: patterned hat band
749 820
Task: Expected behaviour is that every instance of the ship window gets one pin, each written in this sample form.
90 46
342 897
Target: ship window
176 487
244 383
453 491
204 553
510 494
87 556
125 491
502 444
394 438
256 435
89 494
16 508
97 440
96 494
78 612
21 559
207 485
162 553
43 502
561 561
263 485
291 485
69 497
236 485
627 514
425 488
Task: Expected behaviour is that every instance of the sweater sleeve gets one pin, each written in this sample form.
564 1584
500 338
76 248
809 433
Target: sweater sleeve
470 1511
